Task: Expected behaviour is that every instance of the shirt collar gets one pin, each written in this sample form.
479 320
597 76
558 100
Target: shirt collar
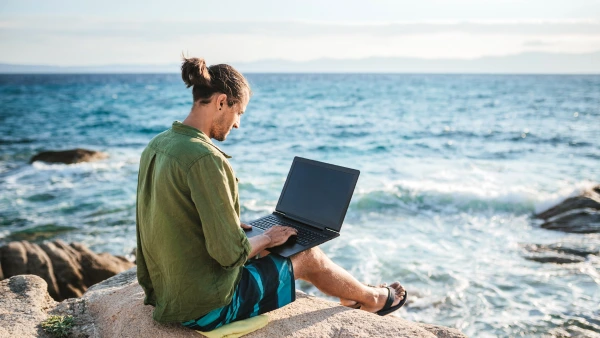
181 128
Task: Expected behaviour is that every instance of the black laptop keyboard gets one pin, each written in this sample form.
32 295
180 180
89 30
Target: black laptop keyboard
304 237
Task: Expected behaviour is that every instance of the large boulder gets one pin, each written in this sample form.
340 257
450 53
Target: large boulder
114 308
67 269
69 156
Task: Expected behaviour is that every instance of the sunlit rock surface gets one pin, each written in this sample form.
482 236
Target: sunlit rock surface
114 308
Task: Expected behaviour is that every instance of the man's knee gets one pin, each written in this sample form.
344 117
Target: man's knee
307 261
311 254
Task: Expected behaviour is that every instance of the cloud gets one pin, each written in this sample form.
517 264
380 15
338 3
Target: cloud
167 29
94 41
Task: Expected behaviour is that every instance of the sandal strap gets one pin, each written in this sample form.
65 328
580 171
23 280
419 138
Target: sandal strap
390 299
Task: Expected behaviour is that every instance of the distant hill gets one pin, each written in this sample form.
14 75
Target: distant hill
42 69
525 63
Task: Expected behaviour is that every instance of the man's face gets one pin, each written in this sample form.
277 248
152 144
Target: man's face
229 118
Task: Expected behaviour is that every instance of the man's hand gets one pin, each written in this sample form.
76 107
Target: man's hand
279 234
245 226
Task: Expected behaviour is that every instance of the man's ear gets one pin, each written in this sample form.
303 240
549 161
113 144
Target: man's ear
221 101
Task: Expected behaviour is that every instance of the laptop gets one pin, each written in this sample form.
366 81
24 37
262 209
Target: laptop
314 201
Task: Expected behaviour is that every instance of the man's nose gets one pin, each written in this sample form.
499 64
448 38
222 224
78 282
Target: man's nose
237 123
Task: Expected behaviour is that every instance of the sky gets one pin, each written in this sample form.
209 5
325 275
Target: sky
84 33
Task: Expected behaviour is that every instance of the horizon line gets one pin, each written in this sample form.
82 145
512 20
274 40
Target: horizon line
4 63
319 73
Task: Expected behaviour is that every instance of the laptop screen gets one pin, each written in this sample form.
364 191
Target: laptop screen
318 193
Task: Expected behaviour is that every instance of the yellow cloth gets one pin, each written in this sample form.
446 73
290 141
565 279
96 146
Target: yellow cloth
239 328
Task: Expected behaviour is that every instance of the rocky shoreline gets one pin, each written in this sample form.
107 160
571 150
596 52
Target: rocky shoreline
102 294
68 270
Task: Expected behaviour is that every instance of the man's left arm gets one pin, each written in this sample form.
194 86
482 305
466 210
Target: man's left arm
211 191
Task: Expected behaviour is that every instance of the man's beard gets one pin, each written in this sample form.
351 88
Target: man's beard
219 130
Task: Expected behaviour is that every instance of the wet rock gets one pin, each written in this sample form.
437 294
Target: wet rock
67 269
69 156
562 253
576 248
579 214
555 257
581 222
589 200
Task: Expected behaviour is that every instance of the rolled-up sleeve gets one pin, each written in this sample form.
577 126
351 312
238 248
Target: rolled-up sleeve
212 186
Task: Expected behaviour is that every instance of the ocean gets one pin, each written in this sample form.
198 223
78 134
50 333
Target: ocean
452 169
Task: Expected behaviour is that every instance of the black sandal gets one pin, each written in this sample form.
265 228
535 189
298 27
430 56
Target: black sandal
388 308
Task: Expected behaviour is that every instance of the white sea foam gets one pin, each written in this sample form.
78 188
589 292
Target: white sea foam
82 167
470 195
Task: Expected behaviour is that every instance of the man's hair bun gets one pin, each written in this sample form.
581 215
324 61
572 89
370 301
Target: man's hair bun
194 72
207 81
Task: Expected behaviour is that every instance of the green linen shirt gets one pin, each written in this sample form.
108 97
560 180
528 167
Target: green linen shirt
190 247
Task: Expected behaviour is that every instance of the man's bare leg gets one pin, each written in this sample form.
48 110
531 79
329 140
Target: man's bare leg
316 268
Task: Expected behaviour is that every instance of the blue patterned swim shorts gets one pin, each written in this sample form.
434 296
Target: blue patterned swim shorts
267 284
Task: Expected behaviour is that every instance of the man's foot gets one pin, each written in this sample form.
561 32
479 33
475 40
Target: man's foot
382 296
349 303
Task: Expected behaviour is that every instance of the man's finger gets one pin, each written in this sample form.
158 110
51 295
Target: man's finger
245 226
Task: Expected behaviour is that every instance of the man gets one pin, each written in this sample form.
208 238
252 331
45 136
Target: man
194 260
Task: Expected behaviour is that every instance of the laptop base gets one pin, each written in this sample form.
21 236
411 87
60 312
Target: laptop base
292 246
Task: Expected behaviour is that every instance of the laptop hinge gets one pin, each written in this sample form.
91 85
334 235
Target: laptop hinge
305 222
331 230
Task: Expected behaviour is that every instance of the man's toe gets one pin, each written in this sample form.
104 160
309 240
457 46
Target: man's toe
400 292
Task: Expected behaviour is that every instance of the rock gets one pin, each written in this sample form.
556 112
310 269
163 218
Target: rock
579 214
581 222
562 253
556 258
589 199
116 307
582 249
69 156
38 263
576 248
67 269
13 258
24 303
98 267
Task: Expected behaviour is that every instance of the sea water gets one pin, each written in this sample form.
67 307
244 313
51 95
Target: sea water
452 169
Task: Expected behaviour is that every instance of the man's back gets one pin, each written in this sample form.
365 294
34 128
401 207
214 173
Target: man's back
190 246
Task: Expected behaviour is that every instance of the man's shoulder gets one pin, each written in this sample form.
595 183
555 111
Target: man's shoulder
183 148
